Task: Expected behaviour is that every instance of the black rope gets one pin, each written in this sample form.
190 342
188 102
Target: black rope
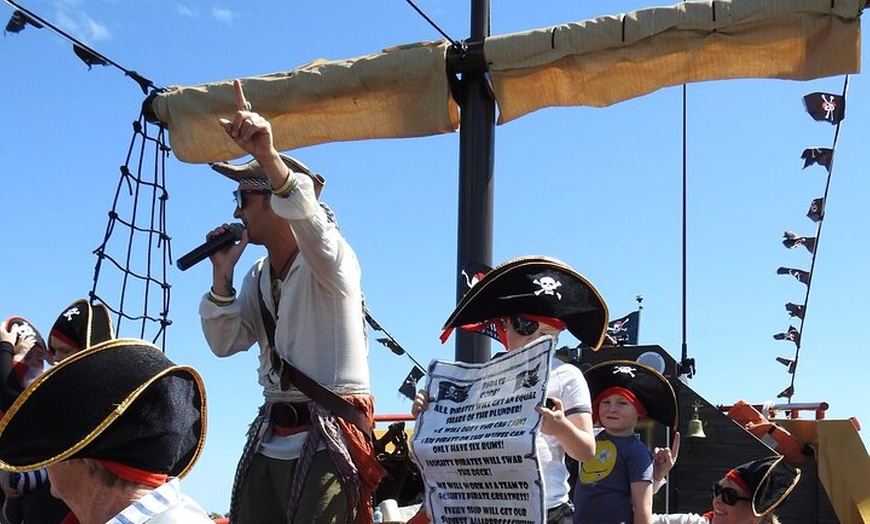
85 53
433 24
144 220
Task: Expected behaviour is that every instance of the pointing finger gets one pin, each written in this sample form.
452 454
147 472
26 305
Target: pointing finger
241 103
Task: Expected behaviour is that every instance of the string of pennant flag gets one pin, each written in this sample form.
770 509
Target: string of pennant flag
822 107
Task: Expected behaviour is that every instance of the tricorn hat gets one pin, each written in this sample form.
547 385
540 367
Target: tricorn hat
769 480
82 325
253 169
24 327
120 401
539 286
647 385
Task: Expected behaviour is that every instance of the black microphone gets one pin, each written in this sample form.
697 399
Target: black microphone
198 254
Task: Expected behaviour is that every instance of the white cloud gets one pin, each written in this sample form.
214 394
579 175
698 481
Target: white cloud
184 10
80 24
223 15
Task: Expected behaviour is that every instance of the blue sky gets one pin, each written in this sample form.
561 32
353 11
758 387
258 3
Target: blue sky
596 187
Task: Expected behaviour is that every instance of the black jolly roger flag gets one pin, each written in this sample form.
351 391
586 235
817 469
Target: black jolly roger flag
818 155
452 391
817 209
802 276
625 330
826 107
786 393
795 310
791 241
792 334
409 387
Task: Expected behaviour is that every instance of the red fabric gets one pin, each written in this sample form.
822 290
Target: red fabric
615 390
70 519
139 476
363 454
708 516
737 479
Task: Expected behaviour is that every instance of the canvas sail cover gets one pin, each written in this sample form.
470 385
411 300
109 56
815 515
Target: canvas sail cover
399 93
404 92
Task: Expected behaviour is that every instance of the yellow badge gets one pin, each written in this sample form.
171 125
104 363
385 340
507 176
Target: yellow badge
601 464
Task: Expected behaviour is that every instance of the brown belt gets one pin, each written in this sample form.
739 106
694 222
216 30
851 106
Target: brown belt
288 415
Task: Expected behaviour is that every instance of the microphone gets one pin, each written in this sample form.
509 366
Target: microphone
198 254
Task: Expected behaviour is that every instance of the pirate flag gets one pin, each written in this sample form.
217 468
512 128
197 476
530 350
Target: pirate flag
795 310
409 387
786 393
451 391
817 209
802 276
792 334
826 107
624 330
818 155
791 241
19 21
789 363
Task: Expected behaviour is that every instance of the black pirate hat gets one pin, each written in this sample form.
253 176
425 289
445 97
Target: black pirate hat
769 481
253 170
82 325
121 401
648 386
23 327
539 286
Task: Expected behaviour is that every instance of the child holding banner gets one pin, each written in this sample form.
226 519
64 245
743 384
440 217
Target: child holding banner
616 485
517 303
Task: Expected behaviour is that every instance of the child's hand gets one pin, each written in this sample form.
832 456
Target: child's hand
421 402
551 416
7 334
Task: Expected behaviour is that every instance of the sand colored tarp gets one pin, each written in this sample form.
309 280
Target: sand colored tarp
404 92
844 466
610 59
401 92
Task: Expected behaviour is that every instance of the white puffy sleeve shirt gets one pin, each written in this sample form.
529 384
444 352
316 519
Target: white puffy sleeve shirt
320 327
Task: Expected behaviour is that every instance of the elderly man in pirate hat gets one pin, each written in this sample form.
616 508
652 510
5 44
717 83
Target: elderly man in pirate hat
518 302
616 485
116 425
747 494
308 457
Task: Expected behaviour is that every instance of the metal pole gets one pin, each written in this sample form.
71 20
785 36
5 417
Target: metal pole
476 151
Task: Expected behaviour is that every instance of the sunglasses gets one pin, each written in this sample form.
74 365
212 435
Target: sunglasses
524 326
729 496
239 195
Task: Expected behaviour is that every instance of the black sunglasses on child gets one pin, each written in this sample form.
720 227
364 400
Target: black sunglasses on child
729 496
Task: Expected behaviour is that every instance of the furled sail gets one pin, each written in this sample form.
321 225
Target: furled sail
405 92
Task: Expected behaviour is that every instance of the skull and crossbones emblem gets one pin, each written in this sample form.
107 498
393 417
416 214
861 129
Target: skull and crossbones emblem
548 286
829 106
627 370
71 312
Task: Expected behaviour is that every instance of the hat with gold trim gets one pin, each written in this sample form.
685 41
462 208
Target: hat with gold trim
121 401
647 389
538 286
253 170
769 480
82 325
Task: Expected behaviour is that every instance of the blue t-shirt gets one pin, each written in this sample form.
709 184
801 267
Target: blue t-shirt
603 491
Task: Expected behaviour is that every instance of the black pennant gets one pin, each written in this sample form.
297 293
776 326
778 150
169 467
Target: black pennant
826 107
802 276
392 345
792 334
19 21
787 362
786 393
791 241
817 209
89 57
409 387
795 310
818 155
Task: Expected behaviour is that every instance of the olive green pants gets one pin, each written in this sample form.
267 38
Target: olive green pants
266 492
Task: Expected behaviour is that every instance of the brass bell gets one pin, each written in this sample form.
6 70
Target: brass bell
696 427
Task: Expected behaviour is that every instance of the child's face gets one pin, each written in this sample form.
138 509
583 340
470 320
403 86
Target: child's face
617 415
